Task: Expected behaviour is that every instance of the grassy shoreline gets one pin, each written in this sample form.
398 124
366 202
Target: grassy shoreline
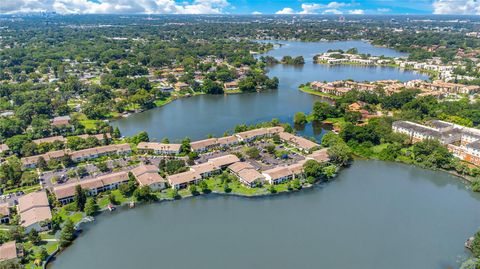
309 90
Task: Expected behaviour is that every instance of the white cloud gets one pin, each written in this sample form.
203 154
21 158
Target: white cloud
313 8
332 11
383 10
115 6
256 13
460 7
285 10
335 5
310 8
357 11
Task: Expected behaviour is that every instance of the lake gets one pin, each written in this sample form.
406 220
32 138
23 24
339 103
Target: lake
375 215
198 116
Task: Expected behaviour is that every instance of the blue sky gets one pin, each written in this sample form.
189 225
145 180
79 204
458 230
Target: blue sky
460 7
366 6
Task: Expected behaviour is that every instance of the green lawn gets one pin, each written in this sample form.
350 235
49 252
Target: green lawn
309 90
104 201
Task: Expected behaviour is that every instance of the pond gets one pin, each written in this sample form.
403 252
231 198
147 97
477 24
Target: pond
198 116
375 215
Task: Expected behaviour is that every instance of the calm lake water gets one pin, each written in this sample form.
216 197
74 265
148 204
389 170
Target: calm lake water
196 117
375 215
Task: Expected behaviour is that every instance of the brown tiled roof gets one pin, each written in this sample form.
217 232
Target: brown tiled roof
250 175
158 146
278 172
184 177
4 147
31 200
298 140
8 251
97 136
227 140
203 143
49 139
204 168
34 208
239 166
320 155
4 210
86 153
68 190
224 160
147 175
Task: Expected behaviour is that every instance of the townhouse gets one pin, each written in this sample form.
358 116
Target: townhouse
159 148
461 141
204 145
182 180
92 153
49 140
298 141
66 193
277 175
31 161
4 213
251 135
34 211
246 174
147 175
9 251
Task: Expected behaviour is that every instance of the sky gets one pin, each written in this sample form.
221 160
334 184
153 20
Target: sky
458 7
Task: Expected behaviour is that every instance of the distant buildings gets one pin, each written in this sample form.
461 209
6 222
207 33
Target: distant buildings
463 142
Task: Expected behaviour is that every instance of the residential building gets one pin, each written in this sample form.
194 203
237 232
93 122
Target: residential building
203 145
298 141
9 251
49 140
206 170
34 211
278 175
4 213
182 180
92 153
159 148
4 148
66 193
246 174
251 135
224 161
147 175
61 121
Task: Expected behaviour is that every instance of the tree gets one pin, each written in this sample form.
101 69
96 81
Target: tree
80 198
253 152
91 207
144 194
10 264
329 171
300 118
340 154
193 189
103 167
116 133
67 234
313 169
41 254
212 87
185 148
42 164
203 186
476 245
82 171
34 237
